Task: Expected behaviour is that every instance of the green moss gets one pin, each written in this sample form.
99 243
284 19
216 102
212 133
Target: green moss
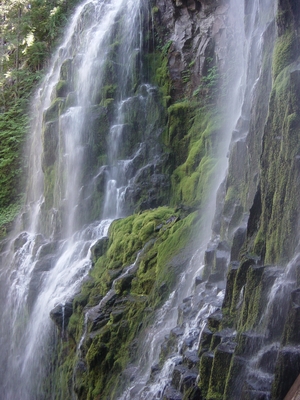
219 371
7 216
280 186
191 180
62 88
259 243
230 199
49 176
283 52
53 112
252 306
206 363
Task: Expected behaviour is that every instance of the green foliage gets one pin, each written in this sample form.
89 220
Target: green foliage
13 124
28 33
208 89
7 216
193 140
280 184
283 52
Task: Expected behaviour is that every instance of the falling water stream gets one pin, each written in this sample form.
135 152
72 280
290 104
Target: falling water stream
48 255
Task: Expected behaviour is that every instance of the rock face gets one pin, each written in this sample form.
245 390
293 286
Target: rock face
195 31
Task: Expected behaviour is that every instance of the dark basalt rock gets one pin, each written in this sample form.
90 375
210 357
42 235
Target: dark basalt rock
206 363
20 240
191 359
61 314
238 240
188 380
214 320
286 371
205 341
224 335
249 343
171 394
178 372
124 283
267 358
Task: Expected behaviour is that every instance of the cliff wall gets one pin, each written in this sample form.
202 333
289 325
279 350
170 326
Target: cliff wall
190 47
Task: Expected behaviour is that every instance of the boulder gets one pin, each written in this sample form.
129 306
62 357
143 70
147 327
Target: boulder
61 313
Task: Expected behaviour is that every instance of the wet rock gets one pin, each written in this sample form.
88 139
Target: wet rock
33 289
257 384
249 342
220 368
53 112
224 335
236 378
240 282
178 372
45 264
62 88
66 69
155 369
267 358
291 328
99 248
188 380
80 367
189 341
176 332
117 315
47 248
206 362
238 240
216 277
61 314
205 341
171 394
198 280
124 283
37 276
20 240
286 371
50 142
209 256
233 268
214 321
98 320
183 311
191 359
194 393
111 301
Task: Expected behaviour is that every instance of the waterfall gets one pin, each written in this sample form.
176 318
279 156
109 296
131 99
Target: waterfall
88 88
176 336
95 137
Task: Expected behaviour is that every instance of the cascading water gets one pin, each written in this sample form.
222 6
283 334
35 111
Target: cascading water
180 323
93 101
48 255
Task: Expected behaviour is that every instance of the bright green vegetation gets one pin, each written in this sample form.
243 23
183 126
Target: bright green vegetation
192 133
283 52
28 36
280 188
111 340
